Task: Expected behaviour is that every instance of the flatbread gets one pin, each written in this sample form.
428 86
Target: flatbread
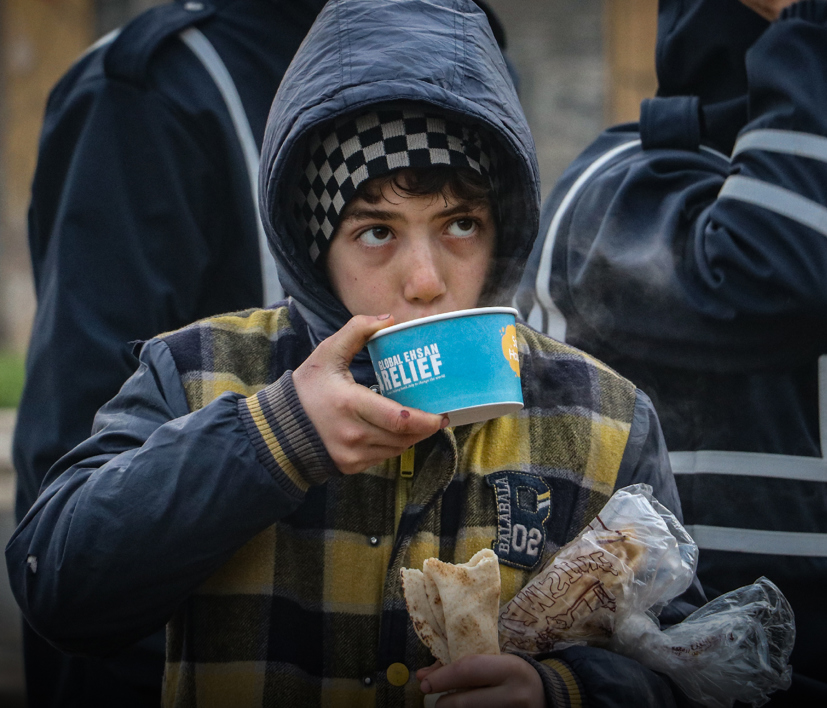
454 608
430 630
625 545
577 598
432 592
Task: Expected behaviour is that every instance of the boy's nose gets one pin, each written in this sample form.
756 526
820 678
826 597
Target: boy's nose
423 276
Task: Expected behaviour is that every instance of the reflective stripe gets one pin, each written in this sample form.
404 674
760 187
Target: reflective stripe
809 469
208 56
776 543
758 464
106 39
535 317
711 151
556 319
781 201
784 141
556 322
749 464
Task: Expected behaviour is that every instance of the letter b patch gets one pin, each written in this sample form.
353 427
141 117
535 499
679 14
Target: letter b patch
523 505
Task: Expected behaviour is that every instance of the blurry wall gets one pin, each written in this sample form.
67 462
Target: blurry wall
110 14
630 29
38 39
556 46
583 64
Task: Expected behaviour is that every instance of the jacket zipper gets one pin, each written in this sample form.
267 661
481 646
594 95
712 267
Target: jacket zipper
404 484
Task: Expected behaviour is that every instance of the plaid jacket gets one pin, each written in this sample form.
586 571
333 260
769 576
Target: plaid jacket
310 612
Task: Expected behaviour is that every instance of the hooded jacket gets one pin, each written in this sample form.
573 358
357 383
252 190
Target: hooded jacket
689 252
206 499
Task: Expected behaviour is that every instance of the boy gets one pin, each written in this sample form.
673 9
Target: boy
244 486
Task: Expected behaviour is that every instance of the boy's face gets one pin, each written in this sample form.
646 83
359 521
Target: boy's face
411 256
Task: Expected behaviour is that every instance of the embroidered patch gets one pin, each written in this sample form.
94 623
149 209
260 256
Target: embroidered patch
523 506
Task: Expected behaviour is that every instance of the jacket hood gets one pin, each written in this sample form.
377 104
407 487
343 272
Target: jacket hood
441 54
701 47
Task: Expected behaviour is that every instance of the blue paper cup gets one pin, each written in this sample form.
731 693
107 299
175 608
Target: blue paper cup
463 364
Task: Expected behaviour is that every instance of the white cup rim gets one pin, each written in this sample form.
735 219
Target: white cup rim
445 316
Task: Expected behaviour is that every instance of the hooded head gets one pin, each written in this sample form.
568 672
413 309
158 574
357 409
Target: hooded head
431 64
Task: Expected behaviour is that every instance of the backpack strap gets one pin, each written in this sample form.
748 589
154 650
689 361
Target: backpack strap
209 57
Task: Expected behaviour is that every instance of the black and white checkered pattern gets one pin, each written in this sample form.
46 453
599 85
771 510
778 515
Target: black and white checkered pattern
371 145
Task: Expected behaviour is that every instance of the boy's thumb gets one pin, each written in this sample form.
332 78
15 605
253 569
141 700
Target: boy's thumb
353 337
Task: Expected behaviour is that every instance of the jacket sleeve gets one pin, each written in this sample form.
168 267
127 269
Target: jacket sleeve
136 517
125 227
686 258
580 677
597 677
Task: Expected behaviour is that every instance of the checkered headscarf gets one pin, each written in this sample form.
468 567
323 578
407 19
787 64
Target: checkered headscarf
356 149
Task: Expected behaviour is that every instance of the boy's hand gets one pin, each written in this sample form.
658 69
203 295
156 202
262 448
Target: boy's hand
358 427
484 681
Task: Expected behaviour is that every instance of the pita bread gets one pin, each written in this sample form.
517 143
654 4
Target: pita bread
430 631
578 597
454 608
432 593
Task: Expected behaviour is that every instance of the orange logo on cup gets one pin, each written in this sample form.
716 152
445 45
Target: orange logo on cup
510 348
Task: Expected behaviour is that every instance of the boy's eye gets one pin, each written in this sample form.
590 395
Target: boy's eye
462 228
375 236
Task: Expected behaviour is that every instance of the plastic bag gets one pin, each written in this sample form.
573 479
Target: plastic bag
633 556
607 586
735 647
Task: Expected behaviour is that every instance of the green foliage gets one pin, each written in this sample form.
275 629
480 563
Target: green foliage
12 372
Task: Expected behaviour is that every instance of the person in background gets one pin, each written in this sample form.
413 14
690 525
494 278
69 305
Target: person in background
689 251
143 218
246 487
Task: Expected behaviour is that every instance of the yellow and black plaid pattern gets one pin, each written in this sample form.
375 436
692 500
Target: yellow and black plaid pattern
310 612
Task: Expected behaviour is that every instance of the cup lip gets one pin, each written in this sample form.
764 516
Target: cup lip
445 316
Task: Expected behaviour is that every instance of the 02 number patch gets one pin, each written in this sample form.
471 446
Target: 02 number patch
523 505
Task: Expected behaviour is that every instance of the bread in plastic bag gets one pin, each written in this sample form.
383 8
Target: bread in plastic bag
734 648
607 586
633 556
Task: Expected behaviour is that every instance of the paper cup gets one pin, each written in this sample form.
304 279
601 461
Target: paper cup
463 364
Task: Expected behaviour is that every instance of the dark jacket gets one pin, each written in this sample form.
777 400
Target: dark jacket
689 251
198 474
142 220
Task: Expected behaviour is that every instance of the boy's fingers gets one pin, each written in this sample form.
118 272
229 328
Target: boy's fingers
486 680
425 670
497 697
470 672
352 338
398 420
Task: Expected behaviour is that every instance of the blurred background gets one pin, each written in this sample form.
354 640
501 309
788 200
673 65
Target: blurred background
583 65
